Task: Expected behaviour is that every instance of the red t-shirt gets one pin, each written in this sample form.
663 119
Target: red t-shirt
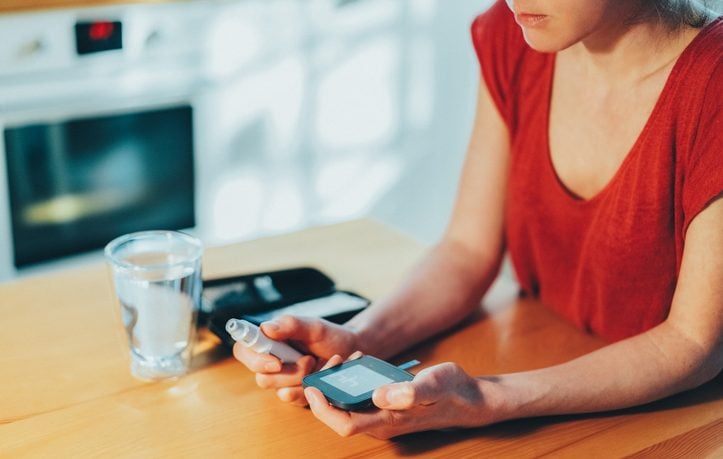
609 263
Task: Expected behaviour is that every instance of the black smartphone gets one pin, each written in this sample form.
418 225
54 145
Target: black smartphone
259 297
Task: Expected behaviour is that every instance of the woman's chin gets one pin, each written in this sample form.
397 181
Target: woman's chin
545 42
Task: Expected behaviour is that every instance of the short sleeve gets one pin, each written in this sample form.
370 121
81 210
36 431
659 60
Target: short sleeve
703 180
499 45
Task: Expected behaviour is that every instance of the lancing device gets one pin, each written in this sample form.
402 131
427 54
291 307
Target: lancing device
251 336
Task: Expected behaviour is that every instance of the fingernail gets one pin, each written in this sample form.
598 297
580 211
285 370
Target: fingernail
271 326
272 366
398 395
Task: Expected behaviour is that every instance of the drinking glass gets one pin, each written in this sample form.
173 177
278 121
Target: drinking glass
157 279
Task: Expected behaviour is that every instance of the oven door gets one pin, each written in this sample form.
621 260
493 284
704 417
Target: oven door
77 182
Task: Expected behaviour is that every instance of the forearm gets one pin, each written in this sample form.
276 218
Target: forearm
443 289
648 367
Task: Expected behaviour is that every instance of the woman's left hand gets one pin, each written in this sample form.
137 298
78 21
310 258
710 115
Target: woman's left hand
439 397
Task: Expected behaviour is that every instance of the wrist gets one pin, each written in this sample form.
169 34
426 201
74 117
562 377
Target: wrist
371 333
503 400
507 397
496 405
363 339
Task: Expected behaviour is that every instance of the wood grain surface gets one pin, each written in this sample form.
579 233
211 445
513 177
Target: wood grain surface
65 390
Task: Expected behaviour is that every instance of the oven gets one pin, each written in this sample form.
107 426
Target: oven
97 114
76 182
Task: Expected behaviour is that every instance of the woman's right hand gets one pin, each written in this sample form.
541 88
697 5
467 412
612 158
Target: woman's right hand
318 339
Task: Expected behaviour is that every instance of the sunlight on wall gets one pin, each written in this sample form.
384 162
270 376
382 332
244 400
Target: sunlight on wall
284 105
284 207
357 98
237 206
325 112
423 11
234 40
298 129
420 99
350 186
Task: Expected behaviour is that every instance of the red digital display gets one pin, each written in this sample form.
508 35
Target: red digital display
100 31
98 36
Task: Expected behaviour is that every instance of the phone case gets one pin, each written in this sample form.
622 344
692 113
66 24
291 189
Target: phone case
254 297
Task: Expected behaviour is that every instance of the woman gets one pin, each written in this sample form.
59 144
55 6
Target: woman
596 160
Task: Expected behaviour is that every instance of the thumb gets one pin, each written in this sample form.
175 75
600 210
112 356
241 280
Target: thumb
292 328
404 395
427 387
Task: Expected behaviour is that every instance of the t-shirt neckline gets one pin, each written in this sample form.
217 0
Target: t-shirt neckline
570 195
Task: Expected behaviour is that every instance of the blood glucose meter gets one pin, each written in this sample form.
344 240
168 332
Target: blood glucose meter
350 385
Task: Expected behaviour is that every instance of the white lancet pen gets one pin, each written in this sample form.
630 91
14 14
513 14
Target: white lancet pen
251 336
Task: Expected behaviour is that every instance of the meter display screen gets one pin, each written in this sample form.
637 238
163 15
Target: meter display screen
356 380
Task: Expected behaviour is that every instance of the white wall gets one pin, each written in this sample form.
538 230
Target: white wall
333 110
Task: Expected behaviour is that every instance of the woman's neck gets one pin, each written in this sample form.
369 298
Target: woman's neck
626 54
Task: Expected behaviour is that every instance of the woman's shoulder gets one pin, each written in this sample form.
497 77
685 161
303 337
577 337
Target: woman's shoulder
497 17
712 34
697 110
506 60
706 50
699 74
495 31
702 59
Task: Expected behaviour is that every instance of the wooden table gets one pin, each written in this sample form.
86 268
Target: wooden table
65 390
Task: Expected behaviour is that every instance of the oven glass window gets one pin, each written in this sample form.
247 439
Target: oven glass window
75 185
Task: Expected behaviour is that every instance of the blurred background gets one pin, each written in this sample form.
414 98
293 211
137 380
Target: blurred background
234 119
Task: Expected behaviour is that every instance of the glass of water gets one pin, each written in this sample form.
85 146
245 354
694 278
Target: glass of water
157 278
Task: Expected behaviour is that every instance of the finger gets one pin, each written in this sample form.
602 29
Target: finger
397 396
288 327
347 423
426 388
335 360
289 375
340 421
256 362
293 395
